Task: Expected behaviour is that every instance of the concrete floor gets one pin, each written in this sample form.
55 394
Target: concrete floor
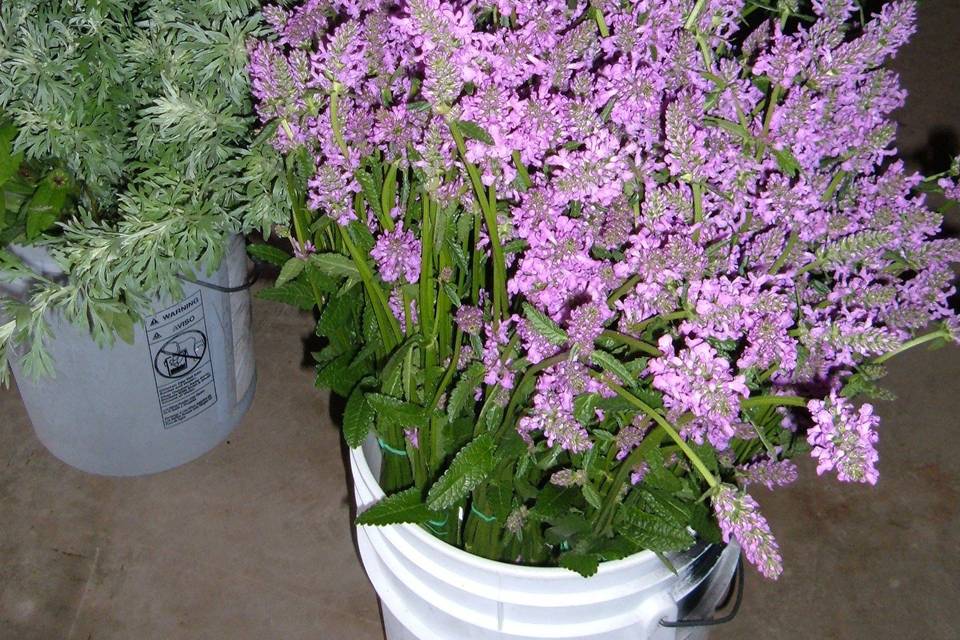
252 541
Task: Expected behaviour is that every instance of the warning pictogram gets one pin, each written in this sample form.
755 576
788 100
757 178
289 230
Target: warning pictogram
182 367
181 354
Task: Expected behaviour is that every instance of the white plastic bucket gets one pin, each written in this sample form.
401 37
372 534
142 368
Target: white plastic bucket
430 590
172 395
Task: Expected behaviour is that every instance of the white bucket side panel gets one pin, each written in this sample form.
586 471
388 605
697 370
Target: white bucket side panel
132 409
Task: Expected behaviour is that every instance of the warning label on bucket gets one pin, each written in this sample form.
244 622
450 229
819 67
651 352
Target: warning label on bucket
181 362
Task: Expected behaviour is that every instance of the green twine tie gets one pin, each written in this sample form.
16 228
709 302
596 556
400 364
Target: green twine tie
482 515
389 449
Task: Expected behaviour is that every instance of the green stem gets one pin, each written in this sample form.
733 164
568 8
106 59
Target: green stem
335 123
833 186
389 327
666 426
601 23
607 507
909 344
782 259
622 290
694 14
768 119
637 345
300 230
451 369
777 401
522 171
697 208
499 262
488 207
665 317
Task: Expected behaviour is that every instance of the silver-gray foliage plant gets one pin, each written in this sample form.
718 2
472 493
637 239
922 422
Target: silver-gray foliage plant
146 104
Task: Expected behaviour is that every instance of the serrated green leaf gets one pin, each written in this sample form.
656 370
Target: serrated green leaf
403 507
787 162
612 366
291 269
335 265
653 532
269 254
469 468
584 407
553 502
544 326
586 564
397 411
474 131
357 418
296 293
463 391
370 189
591 495
333 374
339 317
451 293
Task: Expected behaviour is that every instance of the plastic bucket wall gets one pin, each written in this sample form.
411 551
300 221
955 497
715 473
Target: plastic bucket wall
172 395
430 590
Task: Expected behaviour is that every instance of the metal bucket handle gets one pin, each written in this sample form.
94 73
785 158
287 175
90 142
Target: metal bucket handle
251 280
709 622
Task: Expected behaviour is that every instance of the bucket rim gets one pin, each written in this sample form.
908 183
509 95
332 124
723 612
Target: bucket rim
362 468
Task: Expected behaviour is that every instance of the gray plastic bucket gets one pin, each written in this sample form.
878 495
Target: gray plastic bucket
168 398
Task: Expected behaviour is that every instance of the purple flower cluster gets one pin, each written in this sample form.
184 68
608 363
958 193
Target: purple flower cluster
397 254
843 438
739 519
698 380
768 472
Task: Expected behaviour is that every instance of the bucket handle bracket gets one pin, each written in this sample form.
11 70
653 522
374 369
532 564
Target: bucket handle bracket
737 579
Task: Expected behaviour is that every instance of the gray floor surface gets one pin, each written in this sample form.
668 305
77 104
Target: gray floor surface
252 541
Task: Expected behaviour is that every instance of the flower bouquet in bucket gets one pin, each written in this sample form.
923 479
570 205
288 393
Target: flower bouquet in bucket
588 271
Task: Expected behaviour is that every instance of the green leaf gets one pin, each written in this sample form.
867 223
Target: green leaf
338 319
322 281
474 131
469 468
612 366
371 190
404 507
388 195
269 254
290 270
544 326
553 502
9 162
452 294
652 531
586 564
787 162
357 418
463 391
397 411
591 495
296 293
336 265
584 407
46 205
122 324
